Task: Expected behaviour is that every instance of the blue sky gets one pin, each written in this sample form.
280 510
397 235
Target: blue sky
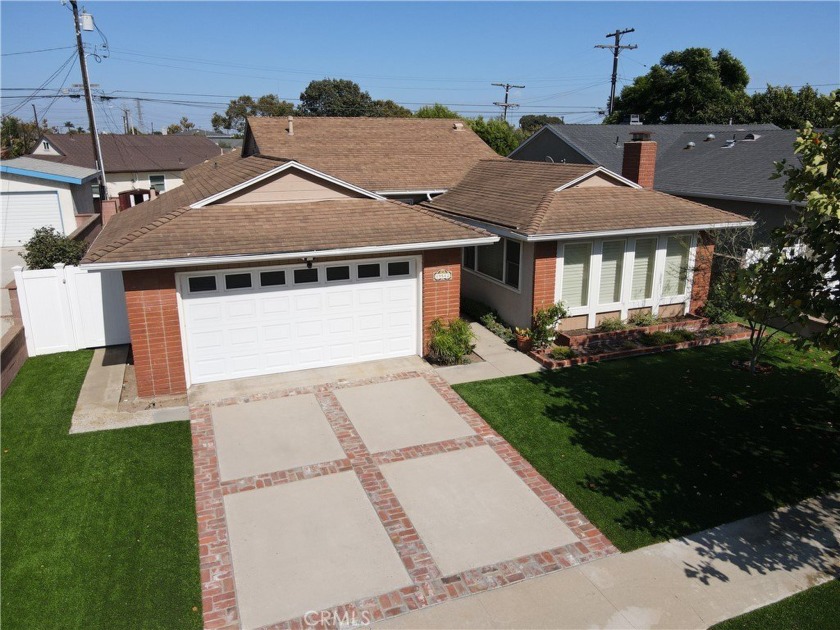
413 53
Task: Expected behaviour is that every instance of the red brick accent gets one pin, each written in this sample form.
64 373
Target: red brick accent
108 208
639 164
155 332
441 298
702 279
545 274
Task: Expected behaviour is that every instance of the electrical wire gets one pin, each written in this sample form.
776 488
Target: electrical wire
32 52
42 86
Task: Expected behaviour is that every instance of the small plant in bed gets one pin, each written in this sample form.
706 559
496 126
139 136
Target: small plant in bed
611 324
498 328
643 319
451 343
545 324
561 353
663 338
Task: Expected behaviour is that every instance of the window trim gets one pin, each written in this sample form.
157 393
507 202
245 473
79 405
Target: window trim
163 177
235 272
489 278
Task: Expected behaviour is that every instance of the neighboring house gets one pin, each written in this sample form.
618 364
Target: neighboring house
264 265
599 242
408 159
732 176
132 162
36 193
221 140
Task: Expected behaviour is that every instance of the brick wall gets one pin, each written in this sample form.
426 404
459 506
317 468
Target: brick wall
440 298
155 332
545 274
639 162
702 279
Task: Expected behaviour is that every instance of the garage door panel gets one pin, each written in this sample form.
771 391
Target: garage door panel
274 305
340 326
243 309
277 333
369 296
340 299
22 213
308 302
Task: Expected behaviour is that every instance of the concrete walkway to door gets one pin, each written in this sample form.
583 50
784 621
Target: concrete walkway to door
690 582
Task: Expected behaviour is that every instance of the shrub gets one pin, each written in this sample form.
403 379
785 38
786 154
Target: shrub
611 324
475 309
714 331
662 338
498 328
643 319
545 324
560 353
47 247
451 342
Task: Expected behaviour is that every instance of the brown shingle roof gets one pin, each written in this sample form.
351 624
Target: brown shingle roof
219 230
522 196
126 153
213 163
378 154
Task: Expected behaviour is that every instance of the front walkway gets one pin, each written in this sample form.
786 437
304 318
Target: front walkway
691 582
361 499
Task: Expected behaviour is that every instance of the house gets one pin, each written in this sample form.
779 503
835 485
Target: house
132 162
727 167
408 159
36 193
604 244
222 140
265 265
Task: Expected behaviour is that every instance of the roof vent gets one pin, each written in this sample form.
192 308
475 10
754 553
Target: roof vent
458 126
635 119
729 144
640 136
752 136
690 145
711 136
291 128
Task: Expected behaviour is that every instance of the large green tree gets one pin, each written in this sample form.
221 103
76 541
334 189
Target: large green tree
18 137
389 109
334 97
788 109
435 110
498 134
531 124
688 86
240 108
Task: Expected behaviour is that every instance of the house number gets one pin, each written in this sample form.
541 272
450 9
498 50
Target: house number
443 275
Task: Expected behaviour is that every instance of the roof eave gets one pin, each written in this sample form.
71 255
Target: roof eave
665 229
703 195
66 179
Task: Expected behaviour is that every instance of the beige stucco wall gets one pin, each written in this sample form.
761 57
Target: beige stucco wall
288 187
599 180
572 323
120 182
17 183
671 310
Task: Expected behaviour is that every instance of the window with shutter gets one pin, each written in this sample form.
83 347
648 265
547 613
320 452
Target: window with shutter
641 287
612 258
676 265
576 274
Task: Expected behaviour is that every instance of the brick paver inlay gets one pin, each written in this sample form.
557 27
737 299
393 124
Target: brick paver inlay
430 585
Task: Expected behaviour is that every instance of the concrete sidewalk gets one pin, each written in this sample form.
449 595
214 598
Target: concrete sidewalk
691 582
499 360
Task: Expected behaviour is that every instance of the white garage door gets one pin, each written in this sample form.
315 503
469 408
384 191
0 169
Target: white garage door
248 322
23 212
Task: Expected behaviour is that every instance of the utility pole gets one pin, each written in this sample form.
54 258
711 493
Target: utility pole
505 106
616 48
97 150
37 122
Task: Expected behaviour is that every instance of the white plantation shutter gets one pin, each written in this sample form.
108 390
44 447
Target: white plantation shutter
676 263
612 255
576 274
643 263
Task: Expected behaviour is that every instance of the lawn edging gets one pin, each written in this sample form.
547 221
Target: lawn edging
687 322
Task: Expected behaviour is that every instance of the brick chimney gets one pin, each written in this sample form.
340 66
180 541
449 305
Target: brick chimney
639 162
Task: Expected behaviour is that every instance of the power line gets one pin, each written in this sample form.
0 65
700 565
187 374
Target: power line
40 50
505 106
616 48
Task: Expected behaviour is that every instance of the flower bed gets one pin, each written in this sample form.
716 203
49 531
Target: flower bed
612 346
579 338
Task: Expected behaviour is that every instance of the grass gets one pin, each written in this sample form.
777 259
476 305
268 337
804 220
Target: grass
815 608
99 529
661 446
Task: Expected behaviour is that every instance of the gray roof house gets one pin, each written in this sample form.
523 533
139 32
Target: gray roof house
728 167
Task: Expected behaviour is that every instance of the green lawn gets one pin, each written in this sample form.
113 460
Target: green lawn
660 446
814 609
99 529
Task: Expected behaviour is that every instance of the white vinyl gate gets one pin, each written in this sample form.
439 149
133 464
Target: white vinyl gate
249 322
22 212
67 308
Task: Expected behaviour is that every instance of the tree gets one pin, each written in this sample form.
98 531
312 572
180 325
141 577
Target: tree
435 111
173 129
48 247
18 137
782 106
244 106
531 124
814 234
186 124
334 97
389 109
498 134
688 86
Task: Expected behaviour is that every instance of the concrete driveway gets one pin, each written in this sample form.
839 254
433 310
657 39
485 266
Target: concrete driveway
357 500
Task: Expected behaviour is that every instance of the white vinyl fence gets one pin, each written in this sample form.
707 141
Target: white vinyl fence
67 308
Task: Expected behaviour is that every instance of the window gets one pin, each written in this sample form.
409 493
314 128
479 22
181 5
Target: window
157 182
676 265
272 278
305 276
490 260
641 286
612 259
512 255
46 145
469 258
238 281
335 274
202 283
370 270
576 274
398 268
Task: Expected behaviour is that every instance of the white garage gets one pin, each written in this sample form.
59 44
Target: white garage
249 322
23 212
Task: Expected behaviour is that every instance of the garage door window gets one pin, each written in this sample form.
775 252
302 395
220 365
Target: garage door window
368 271
398 268
336 274
272 278
306 276
238 281
200 284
